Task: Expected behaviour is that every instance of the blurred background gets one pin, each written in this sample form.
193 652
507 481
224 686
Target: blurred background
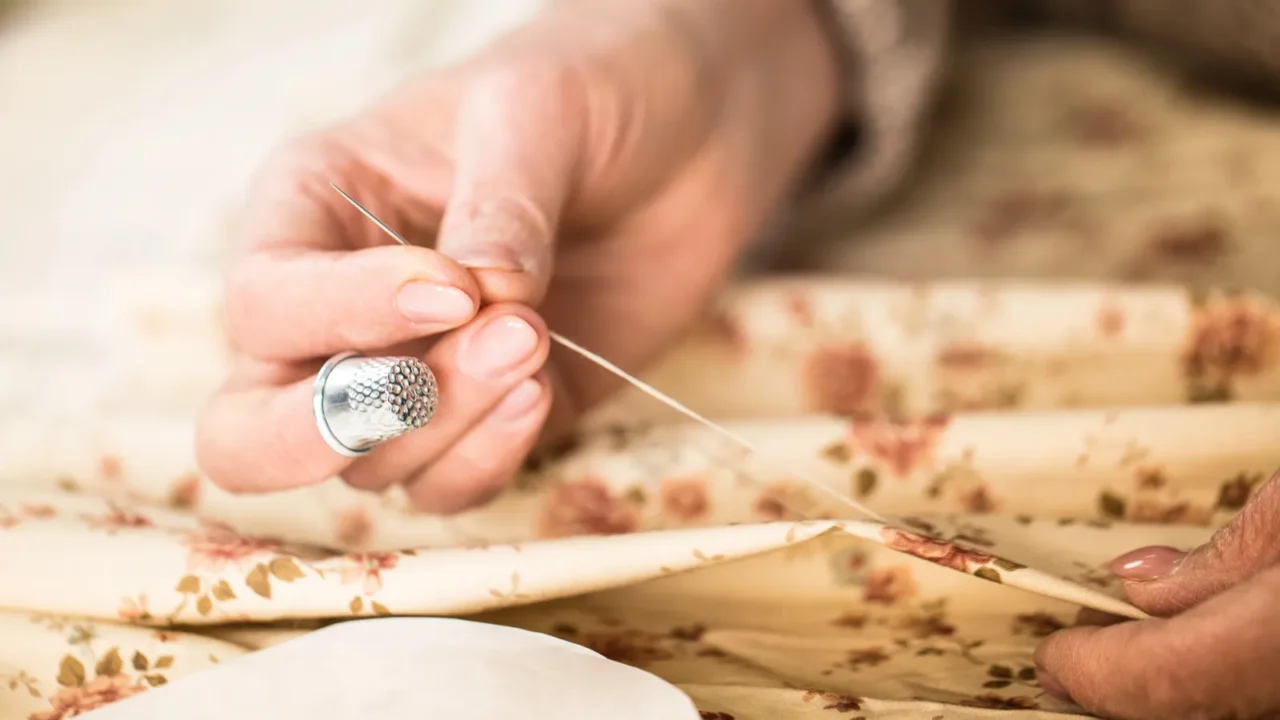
128 131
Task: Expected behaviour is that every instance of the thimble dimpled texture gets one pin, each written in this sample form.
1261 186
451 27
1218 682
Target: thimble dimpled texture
397 394
365 401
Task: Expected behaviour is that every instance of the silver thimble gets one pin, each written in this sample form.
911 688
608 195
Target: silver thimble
360 402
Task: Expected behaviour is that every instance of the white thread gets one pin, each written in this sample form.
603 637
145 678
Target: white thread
685 410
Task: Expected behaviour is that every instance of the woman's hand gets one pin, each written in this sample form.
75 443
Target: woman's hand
604 164
1213 650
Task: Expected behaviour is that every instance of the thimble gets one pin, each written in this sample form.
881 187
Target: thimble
360 402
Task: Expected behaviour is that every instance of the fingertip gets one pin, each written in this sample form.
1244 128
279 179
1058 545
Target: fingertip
1165 582
483 463
293 305
1122 670
1056 656
1049 653
518 406
431 293
1051 686
214 452
505 343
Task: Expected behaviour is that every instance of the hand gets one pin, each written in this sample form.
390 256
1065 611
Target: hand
604 164
1213 649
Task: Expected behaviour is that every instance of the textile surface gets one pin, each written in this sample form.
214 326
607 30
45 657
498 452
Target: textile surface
1051 421
131 573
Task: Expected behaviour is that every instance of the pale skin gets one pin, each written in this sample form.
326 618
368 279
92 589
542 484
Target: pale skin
598 171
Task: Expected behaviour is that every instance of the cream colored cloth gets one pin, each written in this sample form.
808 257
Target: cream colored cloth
1055 425
135 573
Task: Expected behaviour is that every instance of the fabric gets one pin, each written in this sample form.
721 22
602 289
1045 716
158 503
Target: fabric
1043 424
899 56
124 579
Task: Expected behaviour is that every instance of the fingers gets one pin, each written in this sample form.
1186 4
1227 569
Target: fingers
1164 581
1208 661
264 438
315 277
480 464
476 367
1217 660
300 304
517 147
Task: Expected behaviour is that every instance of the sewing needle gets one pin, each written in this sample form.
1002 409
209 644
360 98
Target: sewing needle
646 388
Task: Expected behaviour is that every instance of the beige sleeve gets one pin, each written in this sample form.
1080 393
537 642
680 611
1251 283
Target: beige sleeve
892 53
892 56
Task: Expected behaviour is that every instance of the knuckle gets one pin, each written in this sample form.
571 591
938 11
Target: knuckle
508 218
302 166
285 168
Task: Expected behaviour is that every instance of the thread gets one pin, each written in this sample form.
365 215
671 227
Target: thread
701 419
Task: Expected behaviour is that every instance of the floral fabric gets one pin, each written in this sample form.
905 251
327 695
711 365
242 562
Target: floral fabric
1005 449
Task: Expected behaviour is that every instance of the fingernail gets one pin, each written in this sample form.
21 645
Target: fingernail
490 256
1147 564
499 347
1051 686
424 302
519 402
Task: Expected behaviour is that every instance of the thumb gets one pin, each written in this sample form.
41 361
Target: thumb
1164 581
516 148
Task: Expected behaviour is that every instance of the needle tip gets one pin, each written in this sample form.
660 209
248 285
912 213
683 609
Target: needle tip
365 211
